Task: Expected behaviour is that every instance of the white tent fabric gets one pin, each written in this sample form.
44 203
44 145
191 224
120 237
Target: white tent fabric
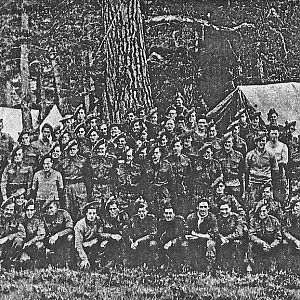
53 117
12 120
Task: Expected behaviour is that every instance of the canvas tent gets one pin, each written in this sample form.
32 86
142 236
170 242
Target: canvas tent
53 117
12 120
284 97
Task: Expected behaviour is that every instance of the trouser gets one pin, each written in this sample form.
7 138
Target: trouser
101 193
281 191
10 251
36 254
112 252
252 195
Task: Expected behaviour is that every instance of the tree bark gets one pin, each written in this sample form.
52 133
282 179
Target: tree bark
127 77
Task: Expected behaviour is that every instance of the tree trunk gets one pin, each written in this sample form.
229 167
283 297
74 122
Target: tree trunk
24 67
127 78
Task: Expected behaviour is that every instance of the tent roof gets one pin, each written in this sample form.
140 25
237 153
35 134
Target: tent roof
53 117
284 97
12 120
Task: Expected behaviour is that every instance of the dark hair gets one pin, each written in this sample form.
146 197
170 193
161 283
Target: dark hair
203 200
223 202
14 152
47 125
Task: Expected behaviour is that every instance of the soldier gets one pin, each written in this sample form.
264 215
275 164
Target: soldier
47 184
260 164
56 155
256 126
16 175
6 146
180 125
191 123
171 113
83 143
44 143
59 234
244 126
75 170
273 119
33 251
31 155
182 171
239 144
141 234
121 147
163 144
19 201
212 137
265 239
202 234
93 138
181 109
115 227
79 114
103 173
280 150
171 230
290 138
12 234
200 134
229 247
158 181
103 131
187 144
151 124
129 181
206 172
87 236
233 167
92 122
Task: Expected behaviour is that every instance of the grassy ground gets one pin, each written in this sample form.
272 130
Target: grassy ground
138 284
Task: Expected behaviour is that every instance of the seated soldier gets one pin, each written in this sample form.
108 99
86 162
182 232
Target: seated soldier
33 253
229 250
59 229
202 235
171 230
115 224
20 201
12 234
291 233
142 231
265 238
87 231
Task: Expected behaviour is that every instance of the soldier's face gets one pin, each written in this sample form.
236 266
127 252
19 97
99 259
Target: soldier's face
46 134
192 117
187 142
203 208
129 156
136 127
103 129
267 192
20 200
156 154
296 209
243 118
170 125
154 118
220 189
202 124
169 214
236 130
93 123
114 131
30 211
113 210
9 210
207 154
255 121
52 209
261 143
178 102
81 133
19 156
212 132
81 114
91 214
177 148
101 150
144 135
163 141
142 212
274 135
121 142
130 117
65 138
172 114
228 144
94 137
224 210
47 165
74 150
143 154
56 152
25 139
263 212
142 114
273 118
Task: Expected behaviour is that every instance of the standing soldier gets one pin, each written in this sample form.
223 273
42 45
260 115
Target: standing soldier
103 167
12 234
182 170
33 253
83 144
47 184
16 175
59 233
260 164
87 236
6 146
244 126
142 232
158 181
75 170
212 137
129 181
44 143
207 172
233 167
239 144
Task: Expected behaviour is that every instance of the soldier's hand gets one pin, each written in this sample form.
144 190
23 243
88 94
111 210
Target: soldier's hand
53 239
168 245
116 236
3 240
84 264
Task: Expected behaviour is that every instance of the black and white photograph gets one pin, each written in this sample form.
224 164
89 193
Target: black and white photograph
150 149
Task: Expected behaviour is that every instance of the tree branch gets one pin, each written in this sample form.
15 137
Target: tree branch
282 40
180 19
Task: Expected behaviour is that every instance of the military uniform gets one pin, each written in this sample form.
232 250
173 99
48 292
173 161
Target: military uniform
14 177
42 147
31 156
77 178
62 225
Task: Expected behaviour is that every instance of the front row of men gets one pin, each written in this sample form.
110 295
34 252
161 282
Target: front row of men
203 241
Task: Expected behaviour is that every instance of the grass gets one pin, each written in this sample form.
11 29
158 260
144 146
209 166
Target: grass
138 284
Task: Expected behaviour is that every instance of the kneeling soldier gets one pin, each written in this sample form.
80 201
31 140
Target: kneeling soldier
87 232
33 253
12 234
59 229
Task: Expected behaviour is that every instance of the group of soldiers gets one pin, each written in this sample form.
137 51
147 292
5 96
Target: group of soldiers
162 190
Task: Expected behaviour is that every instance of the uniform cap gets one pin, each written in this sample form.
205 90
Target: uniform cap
80 125
91 205
78 108
239 113
66 118
9 201
271 112
71 144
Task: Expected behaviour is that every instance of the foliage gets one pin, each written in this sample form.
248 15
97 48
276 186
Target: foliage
141 284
